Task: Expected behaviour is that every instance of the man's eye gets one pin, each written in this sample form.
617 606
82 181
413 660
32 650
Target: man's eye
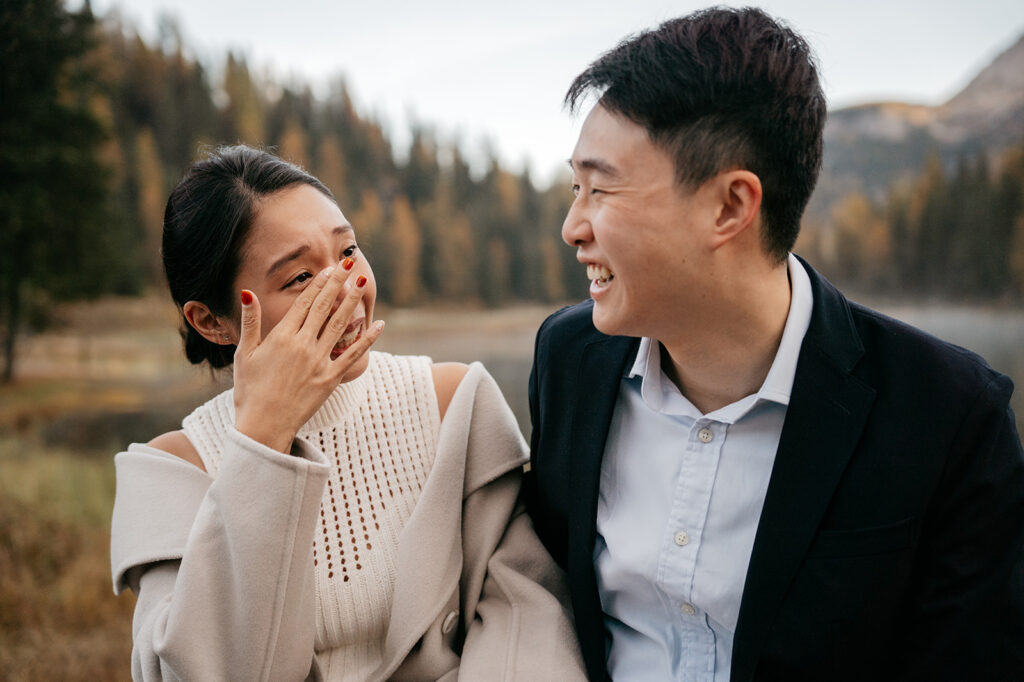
575 190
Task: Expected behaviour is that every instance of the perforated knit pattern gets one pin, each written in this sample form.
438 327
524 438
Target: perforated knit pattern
380 433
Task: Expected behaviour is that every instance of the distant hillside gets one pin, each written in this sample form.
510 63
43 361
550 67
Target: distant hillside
868 147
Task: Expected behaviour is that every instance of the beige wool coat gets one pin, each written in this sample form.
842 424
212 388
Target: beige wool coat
223 566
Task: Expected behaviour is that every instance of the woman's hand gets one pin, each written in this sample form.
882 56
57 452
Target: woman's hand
282 380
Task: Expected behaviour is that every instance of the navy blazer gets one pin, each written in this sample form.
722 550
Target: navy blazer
891 542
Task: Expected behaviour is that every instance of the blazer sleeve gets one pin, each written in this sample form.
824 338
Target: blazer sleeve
519 619
222 567
968 618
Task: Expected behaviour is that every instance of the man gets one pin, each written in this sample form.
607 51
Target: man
745 475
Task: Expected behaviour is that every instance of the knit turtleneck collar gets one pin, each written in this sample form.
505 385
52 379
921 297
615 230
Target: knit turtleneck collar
345 399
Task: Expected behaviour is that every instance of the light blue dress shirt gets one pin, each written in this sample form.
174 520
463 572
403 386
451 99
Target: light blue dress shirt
680 497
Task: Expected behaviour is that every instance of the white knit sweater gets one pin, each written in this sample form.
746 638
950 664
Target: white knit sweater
379 432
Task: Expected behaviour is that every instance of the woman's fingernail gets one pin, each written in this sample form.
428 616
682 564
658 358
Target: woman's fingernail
347 263
378 325
361 280
326 272
246 297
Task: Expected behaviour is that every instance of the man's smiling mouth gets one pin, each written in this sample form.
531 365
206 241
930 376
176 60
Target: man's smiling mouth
599 274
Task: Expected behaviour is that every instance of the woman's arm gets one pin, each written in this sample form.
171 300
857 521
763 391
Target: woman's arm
515 597
522 625
222 568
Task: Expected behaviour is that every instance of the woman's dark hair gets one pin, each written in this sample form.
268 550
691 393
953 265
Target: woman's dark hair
721 89
206 222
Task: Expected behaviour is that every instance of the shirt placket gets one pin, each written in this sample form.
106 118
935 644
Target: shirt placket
681 544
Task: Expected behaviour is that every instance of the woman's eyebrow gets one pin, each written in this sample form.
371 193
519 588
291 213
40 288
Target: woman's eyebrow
297 253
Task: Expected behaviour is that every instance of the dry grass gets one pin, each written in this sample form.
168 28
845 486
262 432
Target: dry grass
58 616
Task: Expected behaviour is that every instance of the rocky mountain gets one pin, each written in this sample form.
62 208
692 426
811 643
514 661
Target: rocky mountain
870 146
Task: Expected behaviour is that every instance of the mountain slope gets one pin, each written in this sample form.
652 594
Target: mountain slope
870 146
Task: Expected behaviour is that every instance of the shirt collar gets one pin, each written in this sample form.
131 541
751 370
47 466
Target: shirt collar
658 392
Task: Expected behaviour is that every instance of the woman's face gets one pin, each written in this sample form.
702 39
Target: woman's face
297 232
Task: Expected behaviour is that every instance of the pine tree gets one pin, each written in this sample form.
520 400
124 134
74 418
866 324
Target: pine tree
53 197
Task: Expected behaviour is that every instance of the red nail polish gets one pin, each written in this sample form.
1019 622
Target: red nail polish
361 280
347 263
246 297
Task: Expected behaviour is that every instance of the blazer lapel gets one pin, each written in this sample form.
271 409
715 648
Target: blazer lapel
602 365
827 411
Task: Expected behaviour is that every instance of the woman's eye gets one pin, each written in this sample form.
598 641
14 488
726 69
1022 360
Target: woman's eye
575 190
299 279
350 251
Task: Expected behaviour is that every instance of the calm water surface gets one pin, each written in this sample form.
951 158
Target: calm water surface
506 346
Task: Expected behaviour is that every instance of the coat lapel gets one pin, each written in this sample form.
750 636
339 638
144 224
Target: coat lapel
602 365
827 412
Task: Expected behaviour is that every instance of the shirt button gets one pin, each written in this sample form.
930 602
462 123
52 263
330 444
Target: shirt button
682 538
705 435
449 622
688 609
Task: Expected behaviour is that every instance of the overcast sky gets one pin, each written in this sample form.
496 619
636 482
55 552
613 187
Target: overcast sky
495 74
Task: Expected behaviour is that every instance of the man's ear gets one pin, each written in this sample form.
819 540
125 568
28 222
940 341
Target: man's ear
738 193
212 327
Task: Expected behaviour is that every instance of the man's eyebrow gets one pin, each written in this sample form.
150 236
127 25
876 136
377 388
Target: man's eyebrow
596 165
297 253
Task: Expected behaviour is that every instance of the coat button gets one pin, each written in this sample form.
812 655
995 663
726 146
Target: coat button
449 622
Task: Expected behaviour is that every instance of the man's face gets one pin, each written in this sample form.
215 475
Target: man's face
641 236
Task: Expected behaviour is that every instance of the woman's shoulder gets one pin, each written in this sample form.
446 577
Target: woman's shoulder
447 377
178 444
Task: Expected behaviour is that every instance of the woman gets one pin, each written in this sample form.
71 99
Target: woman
339 514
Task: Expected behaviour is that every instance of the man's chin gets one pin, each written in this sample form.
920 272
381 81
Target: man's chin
605 322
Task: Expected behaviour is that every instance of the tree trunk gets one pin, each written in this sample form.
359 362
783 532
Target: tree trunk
13 318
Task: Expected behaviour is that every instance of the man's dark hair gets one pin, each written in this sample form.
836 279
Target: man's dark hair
206 224
722 89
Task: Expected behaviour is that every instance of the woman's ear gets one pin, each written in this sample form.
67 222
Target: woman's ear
739 196
212 327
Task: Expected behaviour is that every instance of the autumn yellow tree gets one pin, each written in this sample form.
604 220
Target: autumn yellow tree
332 171
368 221
245 106
149 179
294 144
404 242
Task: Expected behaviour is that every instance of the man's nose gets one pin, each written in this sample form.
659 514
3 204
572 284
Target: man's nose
576 229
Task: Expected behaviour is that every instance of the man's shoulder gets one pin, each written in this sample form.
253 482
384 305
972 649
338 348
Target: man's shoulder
889 348
884 330
917 356
571 323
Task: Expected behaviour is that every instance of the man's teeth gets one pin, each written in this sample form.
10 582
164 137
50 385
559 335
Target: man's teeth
599 273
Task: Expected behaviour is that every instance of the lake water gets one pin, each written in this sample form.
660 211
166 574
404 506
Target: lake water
501 339
504 341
